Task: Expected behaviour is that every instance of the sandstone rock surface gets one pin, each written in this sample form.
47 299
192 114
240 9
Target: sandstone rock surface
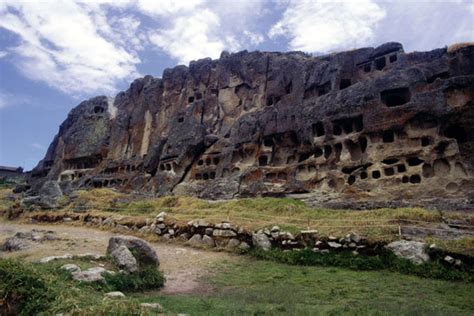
365 128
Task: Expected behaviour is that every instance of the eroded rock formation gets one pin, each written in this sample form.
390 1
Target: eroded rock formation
367 127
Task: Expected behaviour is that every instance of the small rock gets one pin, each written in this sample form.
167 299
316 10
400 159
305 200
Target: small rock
352 245
333 244
200 223
195 240
457 262
114 294
157 231
233 243
91 255
153 306
70 267
244 246
208 241
162 215
184 236
15 244
261 241
410 250
275 229
449 259
161 226
223 225
52 258
224 233
90 275
332 238
355 238
67 219
325 251
209 231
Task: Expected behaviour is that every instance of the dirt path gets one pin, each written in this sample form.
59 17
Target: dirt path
183 267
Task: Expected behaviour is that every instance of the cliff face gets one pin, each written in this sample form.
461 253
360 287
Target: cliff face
366 127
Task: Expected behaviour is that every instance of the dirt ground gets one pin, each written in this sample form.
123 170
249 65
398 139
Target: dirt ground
183 267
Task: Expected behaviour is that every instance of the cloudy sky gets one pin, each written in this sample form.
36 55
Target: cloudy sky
53 54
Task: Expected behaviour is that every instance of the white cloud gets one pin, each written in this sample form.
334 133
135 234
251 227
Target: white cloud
72 46
205 28
38 146
163 8
191 37
254 38
3 54
324 26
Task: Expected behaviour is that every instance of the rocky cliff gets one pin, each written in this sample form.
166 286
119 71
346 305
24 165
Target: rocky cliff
363 128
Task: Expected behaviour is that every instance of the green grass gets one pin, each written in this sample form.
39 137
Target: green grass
253 287
383 260
247 286
33 288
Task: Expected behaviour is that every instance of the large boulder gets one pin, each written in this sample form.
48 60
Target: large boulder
415 251
50 195
139 248
124 259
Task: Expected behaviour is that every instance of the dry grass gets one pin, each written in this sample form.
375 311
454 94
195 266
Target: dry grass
254 213
455 47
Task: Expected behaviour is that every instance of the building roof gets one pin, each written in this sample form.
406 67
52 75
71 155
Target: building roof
8 168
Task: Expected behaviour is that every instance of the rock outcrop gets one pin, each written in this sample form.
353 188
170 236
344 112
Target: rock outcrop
369 127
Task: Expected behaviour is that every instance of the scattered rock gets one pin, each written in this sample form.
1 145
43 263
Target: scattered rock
209 231
233 243
224 233
335 245
244 246
261 241
91 255
52 258
195 240
410 250
15 243
275 229
90 275
208 241
449 259
70 267
115 294
152 306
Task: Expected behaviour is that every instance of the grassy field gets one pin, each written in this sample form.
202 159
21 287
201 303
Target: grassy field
252 287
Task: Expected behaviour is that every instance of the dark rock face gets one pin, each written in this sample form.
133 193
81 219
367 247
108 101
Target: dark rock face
363 128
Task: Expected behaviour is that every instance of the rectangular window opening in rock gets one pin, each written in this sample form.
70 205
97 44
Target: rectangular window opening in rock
380 63
395 97
344 83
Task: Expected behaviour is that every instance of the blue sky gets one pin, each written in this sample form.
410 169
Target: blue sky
53 54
